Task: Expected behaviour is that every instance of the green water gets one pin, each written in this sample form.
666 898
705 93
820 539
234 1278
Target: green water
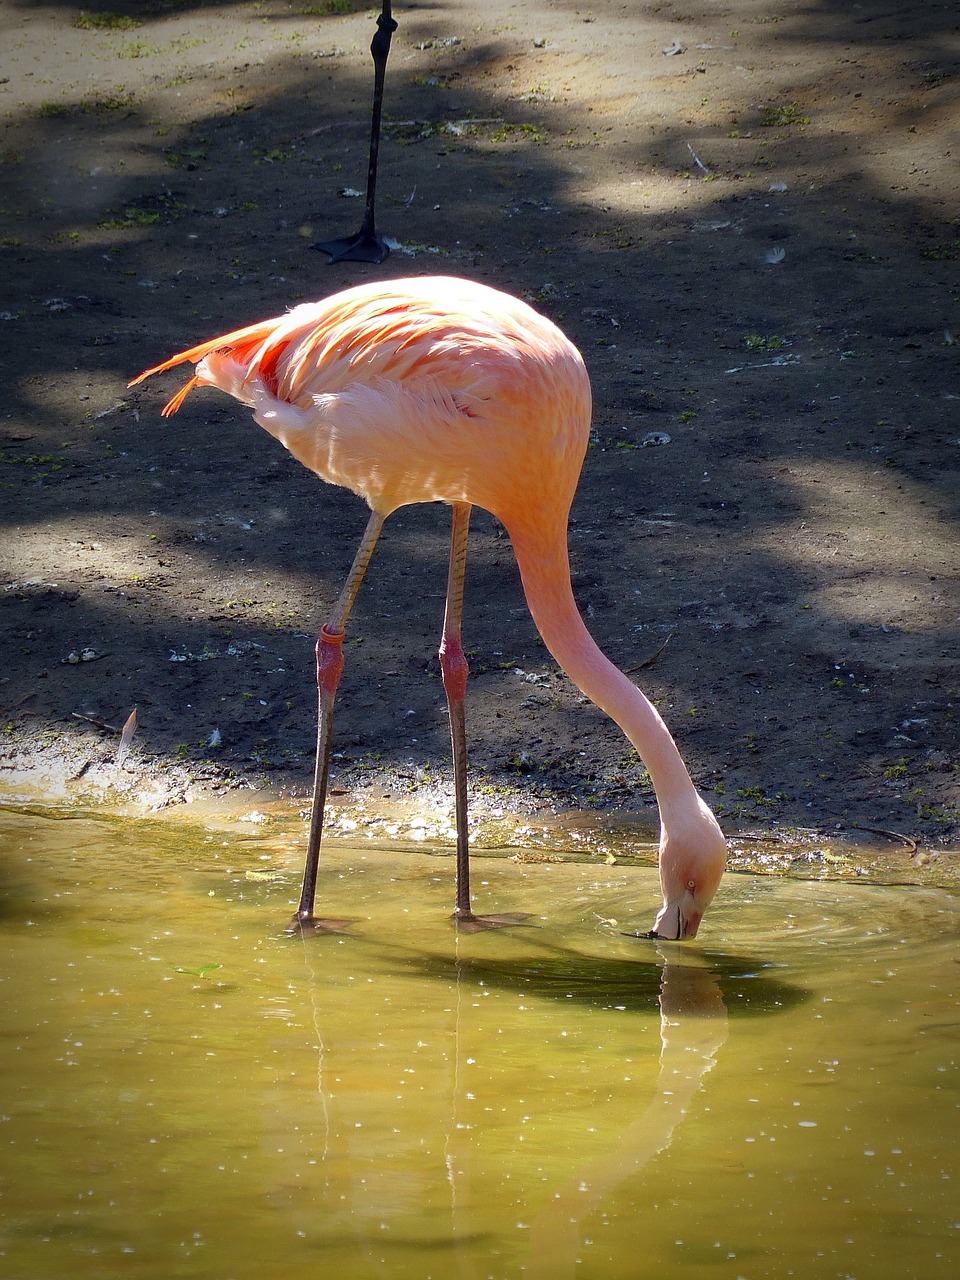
550 1101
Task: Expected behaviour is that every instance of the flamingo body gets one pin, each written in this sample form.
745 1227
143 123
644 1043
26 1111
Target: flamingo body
437 389
424 390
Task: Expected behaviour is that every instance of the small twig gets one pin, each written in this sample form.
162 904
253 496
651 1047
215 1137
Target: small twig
648 662
100 724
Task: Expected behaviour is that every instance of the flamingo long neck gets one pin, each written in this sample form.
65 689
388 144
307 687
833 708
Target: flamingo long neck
545 572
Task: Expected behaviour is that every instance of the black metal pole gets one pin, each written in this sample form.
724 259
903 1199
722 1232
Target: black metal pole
366 245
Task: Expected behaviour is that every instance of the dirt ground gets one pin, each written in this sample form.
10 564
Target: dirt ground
745 215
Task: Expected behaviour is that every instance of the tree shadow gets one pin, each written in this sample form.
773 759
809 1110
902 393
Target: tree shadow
138 225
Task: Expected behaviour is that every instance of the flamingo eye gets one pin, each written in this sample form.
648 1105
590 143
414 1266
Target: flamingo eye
691 884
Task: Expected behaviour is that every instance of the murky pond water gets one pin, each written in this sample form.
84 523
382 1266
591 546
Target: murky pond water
185 1092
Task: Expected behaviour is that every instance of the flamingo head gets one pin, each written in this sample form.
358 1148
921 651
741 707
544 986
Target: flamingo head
692 860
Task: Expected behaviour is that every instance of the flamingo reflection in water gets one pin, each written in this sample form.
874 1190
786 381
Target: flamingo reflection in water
693 1026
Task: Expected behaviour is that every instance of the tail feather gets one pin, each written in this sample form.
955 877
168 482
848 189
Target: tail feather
175 401
243 344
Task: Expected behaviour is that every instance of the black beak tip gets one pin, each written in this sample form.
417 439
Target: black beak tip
651 934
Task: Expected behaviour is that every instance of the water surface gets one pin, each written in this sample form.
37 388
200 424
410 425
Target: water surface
186 1092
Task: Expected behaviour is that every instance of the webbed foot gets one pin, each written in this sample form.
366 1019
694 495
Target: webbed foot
310 926
467 922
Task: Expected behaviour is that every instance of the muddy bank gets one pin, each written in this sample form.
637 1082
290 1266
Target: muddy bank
747 223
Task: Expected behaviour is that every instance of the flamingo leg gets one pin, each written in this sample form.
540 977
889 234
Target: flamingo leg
454 669
329 670
366 245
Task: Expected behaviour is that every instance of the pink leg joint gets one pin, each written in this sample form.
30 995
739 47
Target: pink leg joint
329 659
454 669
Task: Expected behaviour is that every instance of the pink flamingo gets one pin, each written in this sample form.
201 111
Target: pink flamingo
437 389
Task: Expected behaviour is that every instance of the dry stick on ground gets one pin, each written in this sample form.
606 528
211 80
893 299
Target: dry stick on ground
909 841
100 724
647 662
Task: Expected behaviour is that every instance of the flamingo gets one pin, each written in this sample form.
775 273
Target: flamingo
438 389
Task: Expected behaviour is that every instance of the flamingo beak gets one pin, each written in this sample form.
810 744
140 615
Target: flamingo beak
677 921
690 923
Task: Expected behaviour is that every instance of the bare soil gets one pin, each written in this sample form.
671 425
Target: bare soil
746 217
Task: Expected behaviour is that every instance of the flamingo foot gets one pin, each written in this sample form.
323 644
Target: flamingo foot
467 922
365 246
650 934
308 926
